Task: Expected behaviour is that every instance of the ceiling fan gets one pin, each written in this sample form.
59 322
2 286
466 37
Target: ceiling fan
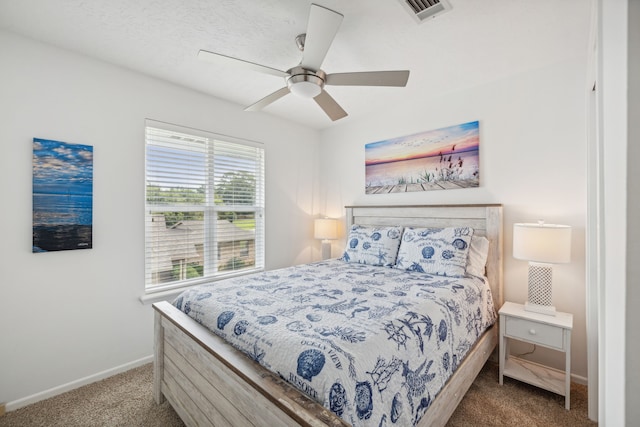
307 79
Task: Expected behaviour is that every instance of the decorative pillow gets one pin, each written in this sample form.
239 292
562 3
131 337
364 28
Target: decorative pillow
440 251
373 245
477 259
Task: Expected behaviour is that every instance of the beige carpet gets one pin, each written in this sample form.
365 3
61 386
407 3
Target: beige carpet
518 404
122 400
126 400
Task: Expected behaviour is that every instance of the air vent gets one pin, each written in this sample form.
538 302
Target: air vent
422 10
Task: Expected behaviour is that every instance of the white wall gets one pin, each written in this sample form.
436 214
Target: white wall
613 78
632 368
66 316
620 254
533 161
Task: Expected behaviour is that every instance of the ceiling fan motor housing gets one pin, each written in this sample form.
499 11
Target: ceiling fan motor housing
305 83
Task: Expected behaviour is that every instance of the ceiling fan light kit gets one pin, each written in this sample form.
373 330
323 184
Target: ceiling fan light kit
307 80
305 83
304 88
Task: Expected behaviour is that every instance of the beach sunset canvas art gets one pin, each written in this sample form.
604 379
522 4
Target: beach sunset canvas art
439 159
62 196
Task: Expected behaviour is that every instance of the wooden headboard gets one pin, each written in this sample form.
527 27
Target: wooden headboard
486 220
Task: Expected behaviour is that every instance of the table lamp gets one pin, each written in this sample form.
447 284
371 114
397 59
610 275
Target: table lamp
542 245
325 229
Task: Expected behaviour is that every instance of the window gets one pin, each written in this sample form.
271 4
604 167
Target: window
204 210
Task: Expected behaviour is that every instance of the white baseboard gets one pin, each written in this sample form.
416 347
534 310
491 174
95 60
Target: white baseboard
17 404
579 379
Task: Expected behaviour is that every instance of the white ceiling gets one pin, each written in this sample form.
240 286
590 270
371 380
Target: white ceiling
476 42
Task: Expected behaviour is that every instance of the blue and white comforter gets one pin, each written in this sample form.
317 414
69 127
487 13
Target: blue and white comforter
372 344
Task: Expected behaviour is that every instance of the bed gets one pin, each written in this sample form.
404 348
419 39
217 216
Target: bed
209 382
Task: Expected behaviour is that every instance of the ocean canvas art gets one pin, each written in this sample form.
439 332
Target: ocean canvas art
439 159
62 196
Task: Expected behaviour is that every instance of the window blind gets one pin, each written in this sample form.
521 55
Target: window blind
204 206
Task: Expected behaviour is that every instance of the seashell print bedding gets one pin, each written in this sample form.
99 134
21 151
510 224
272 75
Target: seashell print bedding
372 344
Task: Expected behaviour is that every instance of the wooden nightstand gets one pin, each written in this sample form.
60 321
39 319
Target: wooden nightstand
548 331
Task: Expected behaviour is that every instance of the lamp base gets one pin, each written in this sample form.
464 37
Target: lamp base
539 301
326 249
549 310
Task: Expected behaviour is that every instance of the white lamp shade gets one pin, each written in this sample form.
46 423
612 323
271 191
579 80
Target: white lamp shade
546 243
325 228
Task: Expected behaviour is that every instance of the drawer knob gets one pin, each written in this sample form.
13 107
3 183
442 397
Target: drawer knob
532 331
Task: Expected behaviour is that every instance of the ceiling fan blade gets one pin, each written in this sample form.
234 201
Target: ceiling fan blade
268 99
321 30
217 58
330 106
369 78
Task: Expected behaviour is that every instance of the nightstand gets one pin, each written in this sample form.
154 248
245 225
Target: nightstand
547 331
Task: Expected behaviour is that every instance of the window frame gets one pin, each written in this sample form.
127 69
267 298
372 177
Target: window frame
210 209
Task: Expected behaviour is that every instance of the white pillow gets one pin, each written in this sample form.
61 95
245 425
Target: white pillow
440 251
477 259
372 245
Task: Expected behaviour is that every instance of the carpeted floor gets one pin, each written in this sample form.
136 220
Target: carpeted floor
518 404
126 400
122 400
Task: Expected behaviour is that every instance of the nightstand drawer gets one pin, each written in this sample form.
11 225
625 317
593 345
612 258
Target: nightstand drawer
547 335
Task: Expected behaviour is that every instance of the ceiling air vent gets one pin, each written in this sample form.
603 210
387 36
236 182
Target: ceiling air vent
425 9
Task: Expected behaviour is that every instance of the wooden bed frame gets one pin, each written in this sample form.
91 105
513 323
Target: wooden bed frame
210 383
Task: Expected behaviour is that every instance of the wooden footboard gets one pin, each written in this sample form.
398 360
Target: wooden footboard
210 383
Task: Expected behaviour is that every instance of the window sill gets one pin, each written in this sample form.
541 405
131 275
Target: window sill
168 295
